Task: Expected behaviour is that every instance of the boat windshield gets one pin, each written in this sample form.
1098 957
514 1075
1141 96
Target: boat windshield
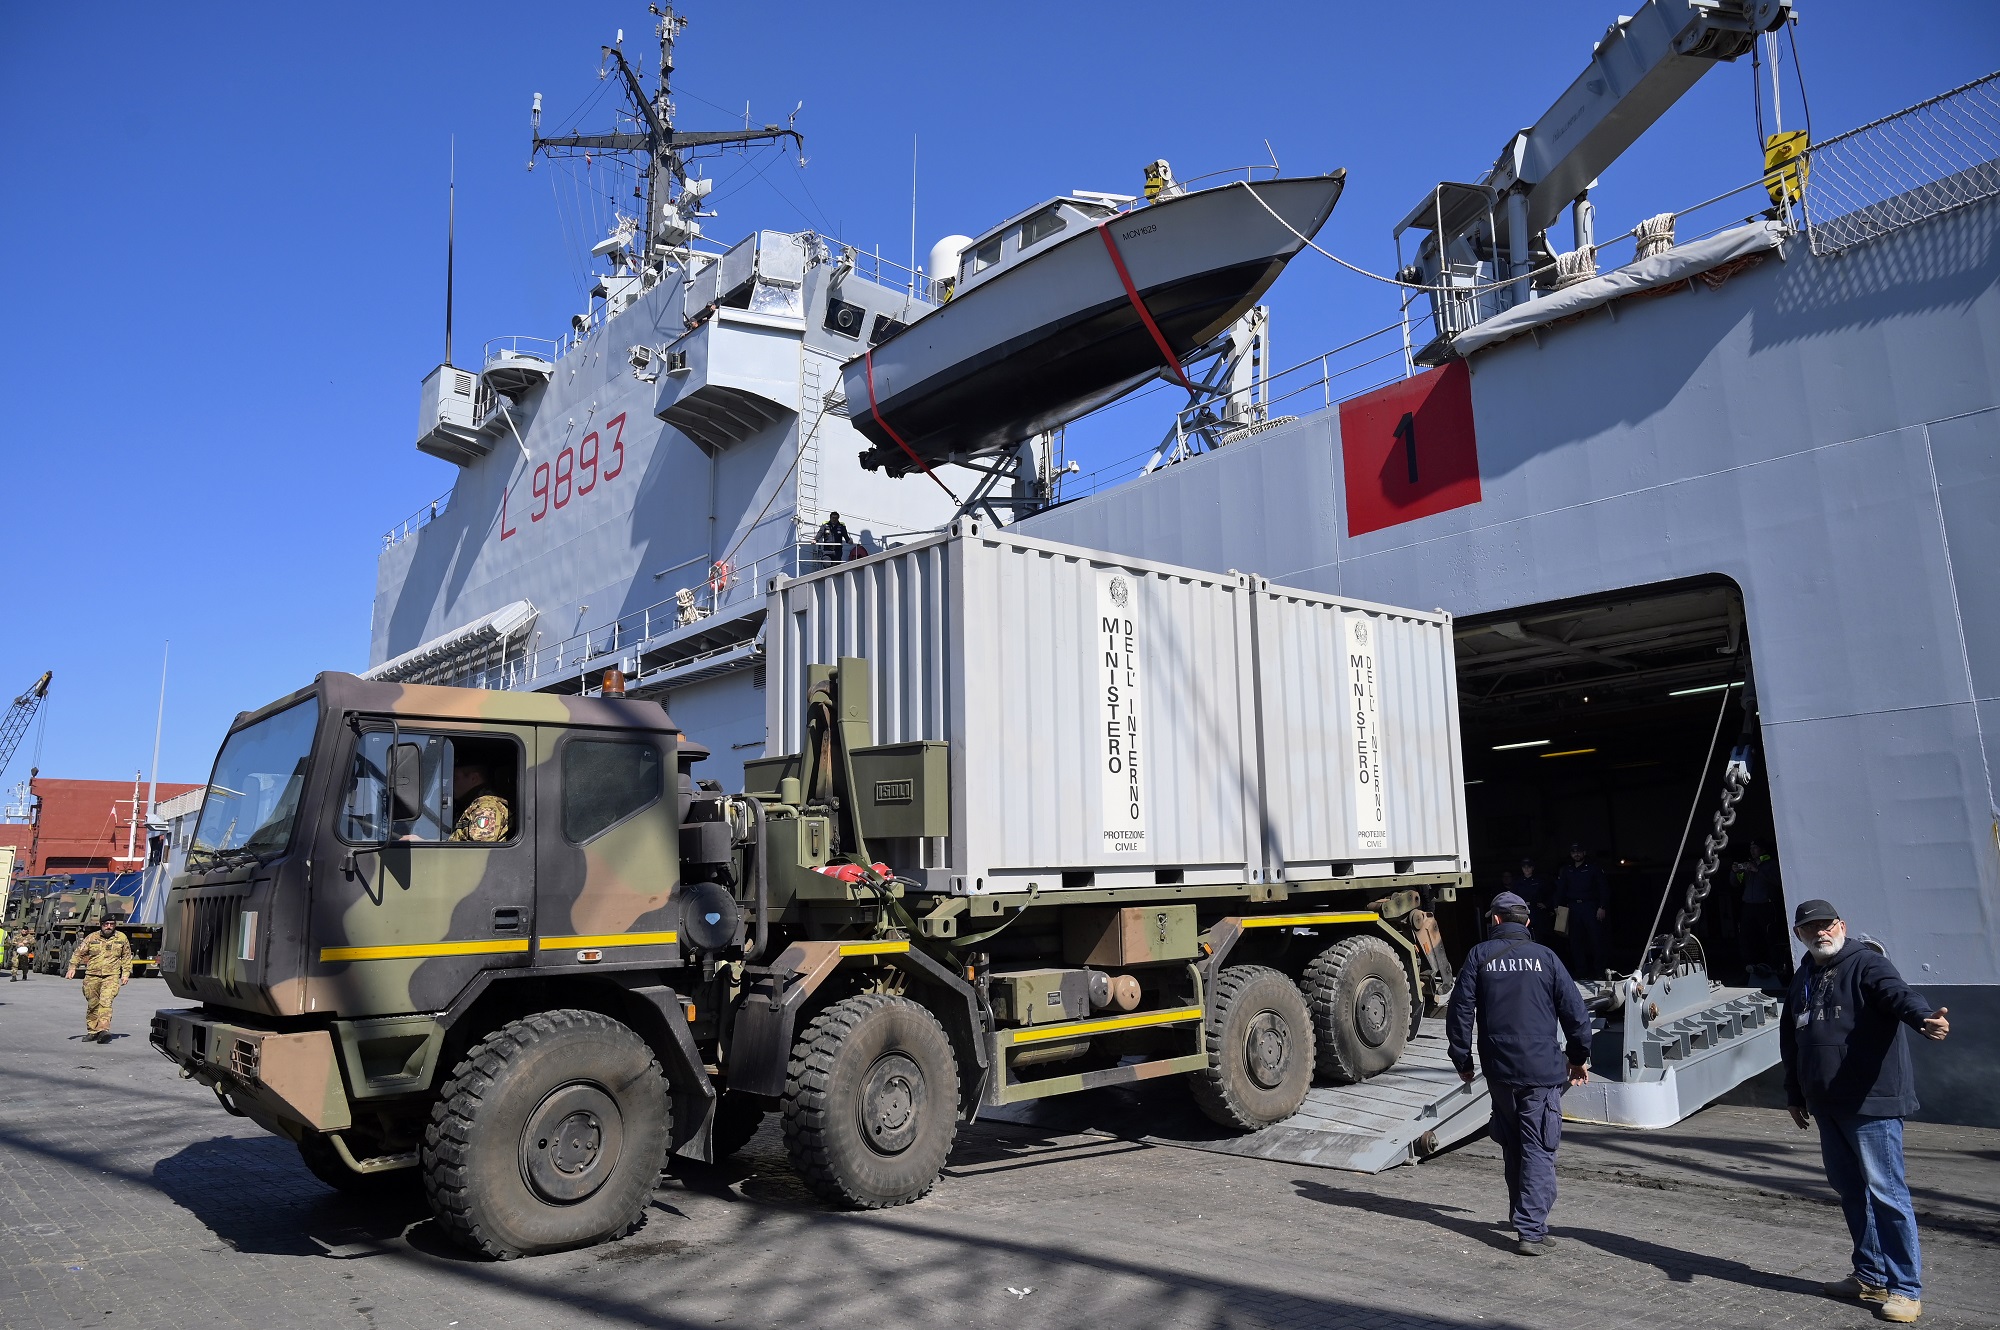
253 796
984 257
1041 226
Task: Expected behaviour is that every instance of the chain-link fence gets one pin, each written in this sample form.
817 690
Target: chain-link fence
1934 157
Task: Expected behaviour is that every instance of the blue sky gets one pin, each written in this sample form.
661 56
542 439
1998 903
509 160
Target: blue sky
221 259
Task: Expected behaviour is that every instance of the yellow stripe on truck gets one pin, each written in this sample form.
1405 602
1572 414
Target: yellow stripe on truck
611 940
1078 1028
1307 920
872 948
416 951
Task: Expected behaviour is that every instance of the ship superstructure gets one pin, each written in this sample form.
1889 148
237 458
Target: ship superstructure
626 490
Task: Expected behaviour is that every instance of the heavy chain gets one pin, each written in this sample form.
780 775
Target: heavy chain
1734 782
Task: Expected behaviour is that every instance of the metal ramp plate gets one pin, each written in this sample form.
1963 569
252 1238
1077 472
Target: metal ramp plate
1416 1108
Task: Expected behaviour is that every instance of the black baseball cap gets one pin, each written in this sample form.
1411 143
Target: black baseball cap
1813 912
1504 902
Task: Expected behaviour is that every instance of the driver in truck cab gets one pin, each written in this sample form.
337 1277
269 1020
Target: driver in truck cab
483 815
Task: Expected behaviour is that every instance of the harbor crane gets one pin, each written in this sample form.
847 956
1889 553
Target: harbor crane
19 715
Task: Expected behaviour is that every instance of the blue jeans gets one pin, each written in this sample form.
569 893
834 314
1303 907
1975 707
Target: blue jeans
1527 1124
1864 1162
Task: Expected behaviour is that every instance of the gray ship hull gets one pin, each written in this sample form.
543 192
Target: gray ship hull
1822 435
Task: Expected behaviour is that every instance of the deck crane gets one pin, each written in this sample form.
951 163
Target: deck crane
15 724
1483 241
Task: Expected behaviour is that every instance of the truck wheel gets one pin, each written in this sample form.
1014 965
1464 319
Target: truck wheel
871 1102
1362 1010
1260 1050
323 1162
550 1134
737 1118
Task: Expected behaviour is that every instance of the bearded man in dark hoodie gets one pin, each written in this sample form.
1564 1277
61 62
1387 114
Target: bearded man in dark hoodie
1848 1064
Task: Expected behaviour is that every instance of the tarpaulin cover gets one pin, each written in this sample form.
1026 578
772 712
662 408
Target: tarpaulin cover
1697 256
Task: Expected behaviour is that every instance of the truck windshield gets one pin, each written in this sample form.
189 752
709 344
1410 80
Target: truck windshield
254 794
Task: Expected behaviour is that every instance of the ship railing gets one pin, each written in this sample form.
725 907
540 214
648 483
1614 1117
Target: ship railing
1922 162
520 344
417 521
1227 175
629 639
870 265
1352 369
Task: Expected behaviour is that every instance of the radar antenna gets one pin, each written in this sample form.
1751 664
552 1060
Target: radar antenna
670 206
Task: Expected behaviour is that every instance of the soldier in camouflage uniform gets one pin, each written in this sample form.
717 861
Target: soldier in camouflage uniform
106 960
484 815
20 946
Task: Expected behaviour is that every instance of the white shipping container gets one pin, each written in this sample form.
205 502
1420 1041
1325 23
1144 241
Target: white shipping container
1112 723
1358 717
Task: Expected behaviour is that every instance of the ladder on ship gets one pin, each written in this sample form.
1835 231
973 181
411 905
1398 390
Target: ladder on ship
812 410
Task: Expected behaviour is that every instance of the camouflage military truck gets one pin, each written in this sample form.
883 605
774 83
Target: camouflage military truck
58 928
643 966
145 938
23 906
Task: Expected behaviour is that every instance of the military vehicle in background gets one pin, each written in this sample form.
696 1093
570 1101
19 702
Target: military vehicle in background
962 888
24 907
145 938
62 914
56 927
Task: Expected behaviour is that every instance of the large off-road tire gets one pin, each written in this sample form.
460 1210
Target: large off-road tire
550 1134
323 1162
737 1118
871 1102
1362 1011
1260 1050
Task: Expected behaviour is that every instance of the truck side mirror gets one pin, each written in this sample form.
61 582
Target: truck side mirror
406 802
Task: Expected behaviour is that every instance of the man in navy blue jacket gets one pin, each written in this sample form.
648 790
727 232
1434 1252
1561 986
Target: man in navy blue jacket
1847 1063
1585 892
1520 993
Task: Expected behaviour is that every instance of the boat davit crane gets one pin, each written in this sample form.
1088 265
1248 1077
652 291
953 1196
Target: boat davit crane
1486 239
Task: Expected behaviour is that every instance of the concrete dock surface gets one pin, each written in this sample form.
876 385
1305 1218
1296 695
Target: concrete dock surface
128 1198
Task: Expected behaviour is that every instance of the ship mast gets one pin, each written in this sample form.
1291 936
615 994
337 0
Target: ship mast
670 206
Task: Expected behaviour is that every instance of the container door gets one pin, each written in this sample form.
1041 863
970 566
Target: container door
431 878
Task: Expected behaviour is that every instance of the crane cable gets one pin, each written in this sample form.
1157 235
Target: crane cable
1694 806
1476 289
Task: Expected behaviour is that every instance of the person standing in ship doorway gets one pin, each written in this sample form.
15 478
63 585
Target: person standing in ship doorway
1847 1065
1583 904
1520 998
832 540
1541 897
1760 920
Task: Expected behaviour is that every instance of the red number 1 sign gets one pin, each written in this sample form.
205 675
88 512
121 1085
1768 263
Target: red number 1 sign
1408 450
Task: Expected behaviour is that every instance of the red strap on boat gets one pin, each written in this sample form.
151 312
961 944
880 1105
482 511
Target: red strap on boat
868 368
1173 361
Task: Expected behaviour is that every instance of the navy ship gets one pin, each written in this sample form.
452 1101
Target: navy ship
1712 512
626 489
